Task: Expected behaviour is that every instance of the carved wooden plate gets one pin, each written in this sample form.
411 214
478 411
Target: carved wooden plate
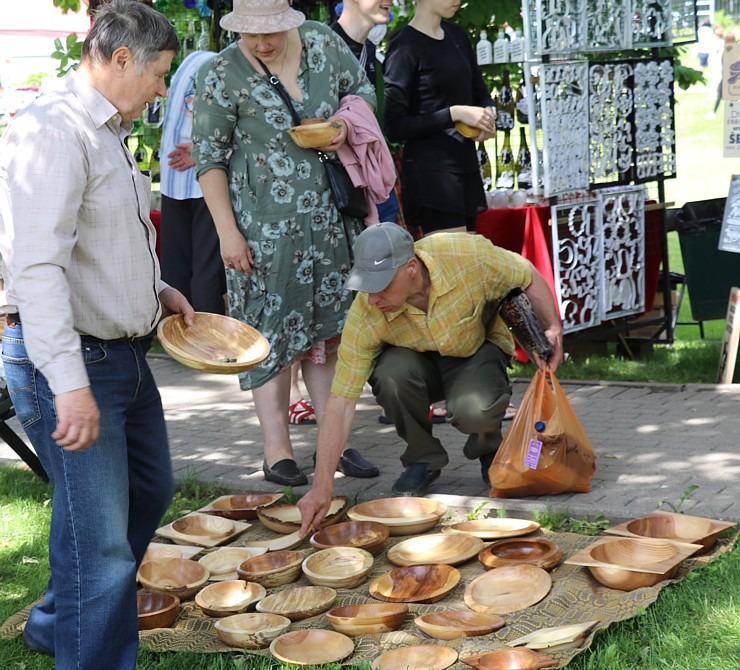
451 549
415 584
556 638
507 589
494 528
417 657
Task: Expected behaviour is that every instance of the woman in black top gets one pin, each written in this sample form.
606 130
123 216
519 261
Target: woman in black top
432 80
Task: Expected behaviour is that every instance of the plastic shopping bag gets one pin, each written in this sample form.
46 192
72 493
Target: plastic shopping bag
545 451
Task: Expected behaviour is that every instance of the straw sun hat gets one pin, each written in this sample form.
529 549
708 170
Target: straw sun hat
262 16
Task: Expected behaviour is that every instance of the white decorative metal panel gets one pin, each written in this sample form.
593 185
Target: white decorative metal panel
607 25
651 23
561 26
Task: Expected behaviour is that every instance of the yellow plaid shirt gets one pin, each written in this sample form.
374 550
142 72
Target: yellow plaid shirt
469 277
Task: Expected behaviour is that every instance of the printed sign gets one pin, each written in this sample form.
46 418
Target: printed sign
730 340
533 454
731 72
729 237
732 129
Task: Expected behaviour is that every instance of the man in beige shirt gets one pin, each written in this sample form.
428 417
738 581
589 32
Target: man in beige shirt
82 294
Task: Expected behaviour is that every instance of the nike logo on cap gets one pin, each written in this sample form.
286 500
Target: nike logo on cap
379 262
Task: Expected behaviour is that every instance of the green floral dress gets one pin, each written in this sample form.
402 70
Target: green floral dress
280 195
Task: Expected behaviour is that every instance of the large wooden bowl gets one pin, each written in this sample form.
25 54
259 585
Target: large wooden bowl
314 133
223 562
338 567
402 515
451 549
494 528
520 658
242 506
312 647
197 525
286 517
521 551
415 584
272 569
254 630
156 610
367 619
299 603
367 535
214 343
416 657
454 624
176 576
508 589
230 597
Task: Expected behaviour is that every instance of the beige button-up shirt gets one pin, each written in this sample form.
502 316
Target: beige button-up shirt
76 239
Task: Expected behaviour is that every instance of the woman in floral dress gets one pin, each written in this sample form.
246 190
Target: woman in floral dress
286 248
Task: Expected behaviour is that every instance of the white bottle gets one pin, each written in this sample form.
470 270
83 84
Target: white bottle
501 49
517 47
484 50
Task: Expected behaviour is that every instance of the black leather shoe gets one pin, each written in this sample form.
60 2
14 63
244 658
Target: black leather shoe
284 472
415 480
485 466
352 464
34 646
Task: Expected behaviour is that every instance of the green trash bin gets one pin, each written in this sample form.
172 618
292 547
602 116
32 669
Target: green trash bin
709 273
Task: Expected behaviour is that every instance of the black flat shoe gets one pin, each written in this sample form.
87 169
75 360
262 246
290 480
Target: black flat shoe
415 480
352 464
285 473
485 466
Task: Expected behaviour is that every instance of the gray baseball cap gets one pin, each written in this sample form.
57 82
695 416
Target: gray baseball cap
380 250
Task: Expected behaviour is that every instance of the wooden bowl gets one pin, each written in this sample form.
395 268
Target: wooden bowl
494 528
507 589
177 576
156 610
416 657
243 506
451 549
299 603
203 526
312 647
314 134
519 658
466 130
556 638
272 569
367 619
415 584
402 515
251 631
367 535
223 562
230 597
159 550
454 624
521 551
338 567
214 343
286 517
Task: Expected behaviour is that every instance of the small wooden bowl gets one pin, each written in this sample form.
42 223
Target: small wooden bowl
402 515
156 610
466 130
338 567
286 517
223 562
214 343
251 631
367 619
242 506
230 597
312 647
203 525
367 535
508 589
272 569
519 658
521 551
417 657
314 134
415 584
177 576
451 549
299 603
454 624
494 528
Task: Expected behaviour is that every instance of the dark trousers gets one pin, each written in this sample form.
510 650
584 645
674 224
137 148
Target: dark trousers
190 254
477 391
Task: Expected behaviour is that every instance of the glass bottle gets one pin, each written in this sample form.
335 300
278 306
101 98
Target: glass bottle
505 165
517 47
485 166
204 39
189 41
484 50
523 162
154 168
505 105
520 103
501 49
153 116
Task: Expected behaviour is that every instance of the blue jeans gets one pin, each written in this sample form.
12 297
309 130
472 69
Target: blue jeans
107 503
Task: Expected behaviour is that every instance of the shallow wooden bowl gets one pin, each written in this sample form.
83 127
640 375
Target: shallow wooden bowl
223 562
495 528
417 657
156 610
402 515
507 589
453 624
299 603
312 647
451 549
556 638
367 619
178 576
243 506
214 343
272 569
230 597
415 584
289 541
521 551
159 550
314 134
519 658
286 517
203 525
254 630
338 567
466 130
367 535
